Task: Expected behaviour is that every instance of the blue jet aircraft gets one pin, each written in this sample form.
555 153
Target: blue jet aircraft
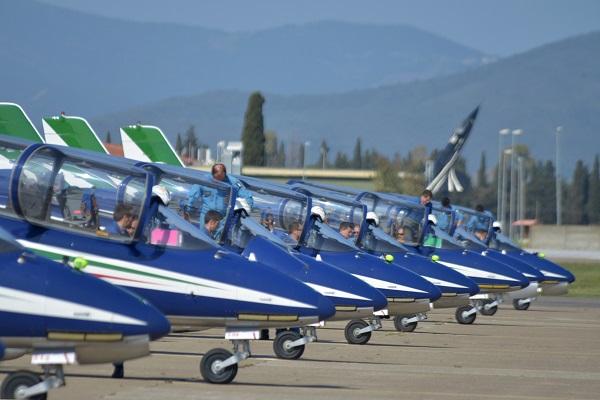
62 316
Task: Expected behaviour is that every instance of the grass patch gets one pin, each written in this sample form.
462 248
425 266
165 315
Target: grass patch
587 278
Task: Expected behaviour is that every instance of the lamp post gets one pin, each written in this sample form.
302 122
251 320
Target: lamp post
306 145
505 153
513 181
558 181
499 172
521 213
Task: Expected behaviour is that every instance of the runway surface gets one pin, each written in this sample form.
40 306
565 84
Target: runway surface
551 351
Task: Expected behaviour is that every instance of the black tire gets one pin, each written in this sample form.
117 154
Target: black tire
226 375
465 321
17 380
521 307
351 337
489 312
279 345
402 327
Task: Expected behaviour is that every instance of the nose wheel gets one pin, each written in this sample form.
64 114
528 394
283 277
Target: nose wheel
489 308
214 368
466 315
358 331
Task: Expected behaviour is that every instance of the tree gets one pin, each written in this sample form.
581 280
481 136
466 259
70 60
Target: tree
253 135
108 138
191 141
593 200
281 155
271 149
357 159
179 144
577 195
341 161
387 179
324 152
481 173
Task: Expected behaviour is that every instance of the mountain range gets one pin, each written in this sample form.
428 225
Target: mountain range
55 59
556 84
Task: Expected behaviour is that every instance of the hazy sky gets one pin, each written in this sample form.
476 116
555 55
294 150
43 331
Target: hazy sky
500 27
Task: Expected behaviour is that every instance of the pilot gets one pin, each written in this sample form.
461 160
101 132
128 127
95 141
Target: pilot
346 229
122 217
399 235
133 226
219 173
295 231
211 222
443 217
356 231
425 199
268 222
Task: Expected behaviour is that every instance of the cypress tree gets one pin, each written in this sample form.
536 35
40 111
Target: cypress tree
324 152
253 134
357 159
577 195
108 138
179 144
191 141
481 173
281 155
593 200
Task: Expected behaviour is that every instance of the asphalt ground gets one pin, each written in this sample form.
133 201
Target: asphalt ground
551 351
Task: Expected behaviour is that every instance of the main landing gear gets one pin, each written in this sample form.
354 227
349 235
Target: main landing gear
468 314
290 344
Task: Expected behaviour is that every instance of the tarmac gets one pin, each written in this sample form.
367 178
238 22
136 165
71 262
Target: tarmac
551 351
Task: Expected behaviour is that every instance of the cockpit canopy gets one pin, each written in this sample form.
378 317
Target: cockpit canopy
403 220
280 211
79 193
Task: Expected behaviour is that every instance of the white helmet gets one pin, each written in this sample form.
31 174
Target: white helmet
242 204
162 193
317 211
497 225
372 218
432 218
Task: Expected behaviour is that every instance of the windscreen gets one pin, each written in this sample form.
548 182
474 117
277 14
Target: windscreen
342 217
193 199
501 242
402 221
377 241
324 238
281 215
168 229
81 195
479 224
439 239
247 228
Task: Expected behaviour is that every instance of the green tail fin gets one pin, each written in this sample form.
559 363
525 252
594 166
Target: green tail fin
67 130
15 122
148 143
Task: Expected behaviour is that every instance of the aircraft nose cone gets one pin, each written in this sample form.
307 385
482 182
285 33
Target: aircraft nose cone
158 325
379 300
325 308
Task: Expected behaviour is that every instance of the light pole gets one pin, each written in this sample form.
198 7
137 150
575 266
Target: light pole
306 145
501 133
521 213
513 183
505 153
558 181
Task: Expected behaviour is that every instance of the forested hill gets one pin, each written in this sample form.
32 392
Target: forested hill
56 59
